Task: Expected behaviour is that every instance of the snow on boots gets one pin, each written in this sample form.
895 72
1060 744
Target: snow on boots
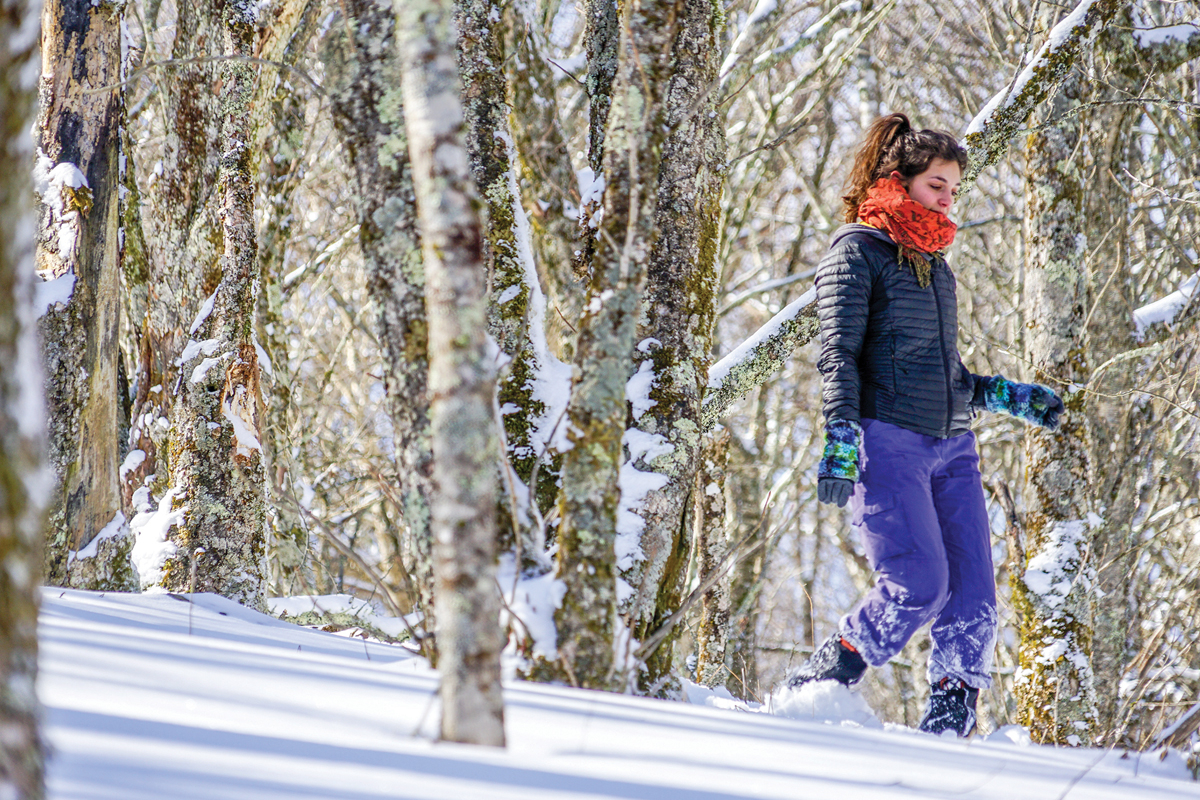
951 708
834 660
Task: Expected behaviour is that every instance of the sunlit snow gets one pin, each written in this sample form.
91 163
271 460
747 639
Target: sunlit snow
161 696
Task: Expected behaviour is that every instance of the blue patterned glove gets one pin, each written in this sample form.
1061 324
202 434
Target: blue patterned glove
843 441
838 470
1031 402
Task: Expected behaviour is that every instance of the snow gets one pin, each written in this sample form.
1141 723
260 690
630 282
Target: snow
1165 309
151 548
115 527
532 601
133 460
635 484
637 389
197 698
205 310
50 294
356 607
720 370
1148 37
552 377
1058 34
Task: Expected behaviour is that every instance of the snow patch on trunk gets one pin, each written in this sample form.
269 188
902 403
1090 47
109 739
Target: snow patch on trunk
529 606
152 548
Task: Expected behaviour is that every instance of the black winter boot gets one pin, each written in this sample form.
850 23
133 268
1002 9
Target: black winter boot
834 660
951 708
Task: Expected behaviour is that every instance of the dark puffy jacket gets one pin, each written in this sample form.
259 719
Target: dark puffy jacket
888 347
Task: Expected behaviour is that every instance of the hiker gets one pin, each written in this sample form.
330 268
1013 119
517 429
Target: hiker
898 404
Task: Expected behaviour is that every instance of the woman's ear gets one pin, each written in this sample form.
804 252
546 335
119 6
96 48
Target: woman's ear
895 174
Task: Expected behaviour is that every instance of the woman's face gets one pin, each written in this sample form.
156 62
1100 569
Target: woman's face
936 187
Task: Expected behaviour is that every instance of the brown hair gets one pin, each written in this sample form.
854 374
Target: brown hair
892 144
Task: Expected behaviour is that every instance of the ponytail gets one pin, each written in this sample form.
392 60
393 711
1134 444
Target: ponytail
892 145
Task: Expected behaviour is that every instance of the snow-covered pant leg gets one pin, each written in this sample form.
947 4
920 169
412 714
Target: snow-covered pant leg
894 515
964 632
920 513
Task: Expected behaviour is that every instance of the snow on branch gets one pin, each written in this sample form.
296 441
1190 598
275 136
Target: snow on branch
761 355
988 135
1165 310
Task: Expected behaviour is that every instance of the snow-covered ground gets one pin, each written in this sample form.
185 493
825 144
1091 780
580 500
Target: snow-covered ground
154 697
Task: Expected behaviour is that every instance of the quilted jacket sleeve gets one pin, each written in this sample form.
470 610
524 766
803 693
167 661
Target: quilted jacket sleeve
843 307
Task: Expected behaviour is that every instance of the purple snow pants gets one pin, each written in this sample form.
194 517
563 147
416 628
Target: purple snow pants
919 510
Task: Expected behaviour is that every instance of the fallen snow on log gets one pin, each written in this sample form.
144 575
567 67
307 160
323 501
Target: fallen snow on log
1166 309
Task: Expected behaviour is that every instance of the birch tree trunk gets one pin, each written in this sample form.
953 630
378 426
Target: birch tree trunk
1054 685
675 339
217 481
23 480
79 250
368 110
461 380
596 414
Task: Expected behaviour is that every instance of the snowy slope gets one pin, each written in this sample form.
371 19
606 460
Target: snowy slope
250 708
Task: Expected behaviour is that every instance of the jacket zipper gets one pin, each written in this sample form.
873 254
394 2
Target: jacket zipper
945 369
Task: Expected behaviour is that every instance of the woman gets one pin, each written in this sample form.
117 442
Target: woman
898 404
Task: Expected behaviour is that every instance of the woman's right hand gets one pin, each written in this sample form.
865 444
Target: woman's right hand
834 490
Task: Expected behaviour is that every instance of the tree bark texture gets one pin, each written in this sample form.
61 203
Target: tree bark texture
1051 66
461 379
712 548
745 490
676 333
602 40
1054 685
79 138
217 480
368 110
280 142
548 183
1124 435
491 148
634 142
183 242
24 481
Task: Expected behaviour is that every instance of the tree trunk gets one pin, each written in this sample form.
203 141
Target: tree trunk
679 311
597 414
23 480
712 548
461 380
217 481
368 110
602 40
548 184
280 140
79 249
178 268
1054 685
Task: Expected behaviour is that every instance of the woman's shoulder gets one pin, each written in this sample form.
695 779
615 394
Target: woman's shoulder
858 242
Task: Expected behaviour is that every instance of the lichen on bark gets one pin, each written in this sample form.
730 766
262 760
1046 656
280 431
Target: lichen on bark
79 130
1054 686
678 315
216 453
364 72
634 140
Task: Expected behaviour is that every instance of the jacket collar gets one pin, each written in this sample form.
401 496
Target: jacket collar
854 228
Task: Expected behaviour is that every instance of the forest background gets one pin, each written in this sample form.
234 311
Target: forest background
244 325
